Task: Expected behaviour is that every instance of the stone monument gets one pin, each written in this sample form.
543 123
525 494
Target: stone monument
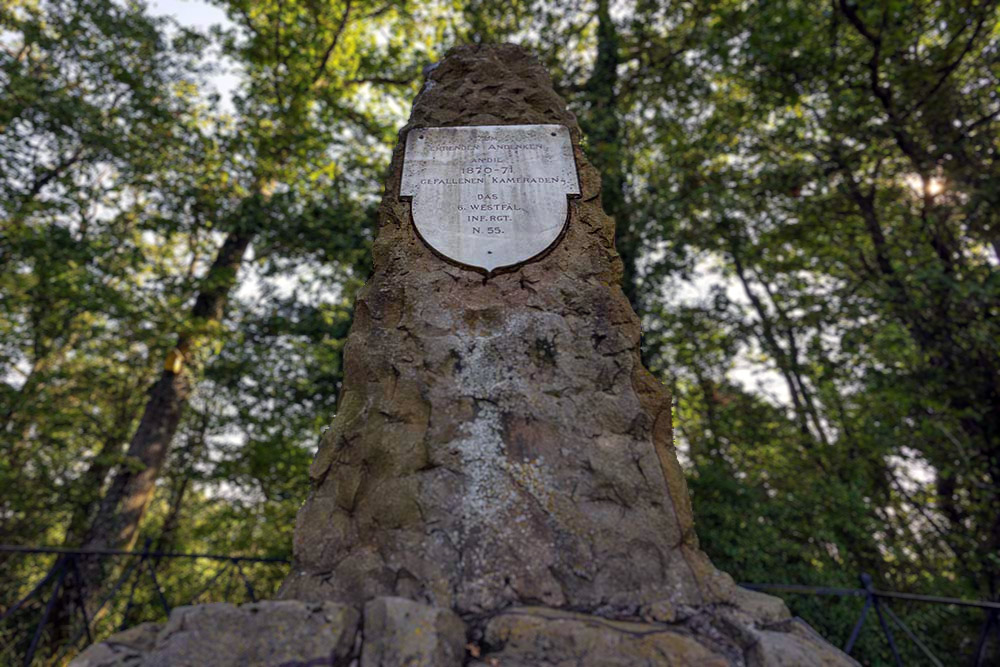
499 486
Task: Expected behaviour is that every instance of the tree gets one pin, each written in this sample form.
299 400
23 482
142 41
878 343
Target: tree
80 130
807 159
303 66
295 171
806 204
829 169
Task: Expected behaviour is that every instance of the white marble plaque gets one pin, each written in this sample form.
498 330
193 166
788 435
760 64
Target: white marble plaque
489 196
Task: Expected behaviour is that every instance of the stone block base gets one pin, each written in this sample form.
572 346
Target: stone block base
396 632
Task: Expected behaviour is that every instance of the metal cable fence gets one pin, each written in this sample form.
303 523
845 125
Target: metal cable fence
887 618
58 601
23 624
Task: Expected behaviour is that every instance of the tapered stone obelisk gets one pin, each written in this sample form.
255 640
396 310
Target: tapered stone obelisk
501 469
498 442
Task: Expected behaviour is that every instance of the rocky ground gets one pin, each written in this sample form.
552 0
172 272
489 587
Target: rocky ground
397 632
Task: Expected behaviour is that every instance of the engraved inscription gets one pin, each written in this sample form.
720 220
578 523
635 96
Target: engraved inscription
489 196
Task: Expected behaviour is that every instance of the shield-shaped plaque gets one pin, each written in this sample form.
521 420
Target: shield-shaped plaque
489 196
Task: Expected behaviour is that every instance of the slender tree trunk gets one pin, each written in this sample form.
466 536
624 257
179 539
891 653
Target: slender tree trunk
603 127
183 465
784 324
769 340
91 485
116 525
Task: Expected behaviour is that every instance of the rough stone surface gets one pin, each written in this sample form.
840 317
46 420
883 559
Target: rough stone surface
499 444
793 643
402 632
124 648
264 634
539 637
497 440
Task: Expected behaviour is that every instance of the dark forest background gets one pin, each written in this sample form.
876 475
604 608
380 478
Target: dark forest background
807 199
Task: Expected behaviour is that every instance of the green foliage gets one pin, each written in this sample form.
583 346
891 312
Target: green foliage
796 163
122 175
806 197
86 297
809 202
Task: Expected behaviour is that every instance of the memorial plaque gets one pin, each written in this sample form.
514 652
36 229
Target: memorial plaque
489 196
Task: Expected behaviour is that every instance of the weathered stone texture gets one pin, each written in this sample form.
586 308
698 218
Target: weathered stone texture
791 644
402 632
264 634
125 648
498 441
540 637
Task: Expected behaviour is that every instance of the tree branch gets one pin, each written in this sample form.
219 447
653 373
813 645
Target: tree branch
333 43
948 69
382 80
917 156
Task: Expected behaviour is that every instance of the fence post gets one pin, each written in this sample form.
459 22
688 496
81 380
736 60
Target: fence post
856 630
991 617
53 571
135 584
49 606
80 597
159 591
866 582
246 581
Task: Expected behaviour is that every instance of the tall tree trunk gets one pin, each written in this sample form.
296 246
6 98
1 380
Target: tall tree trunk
183 464
116 525
603 127
91 485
